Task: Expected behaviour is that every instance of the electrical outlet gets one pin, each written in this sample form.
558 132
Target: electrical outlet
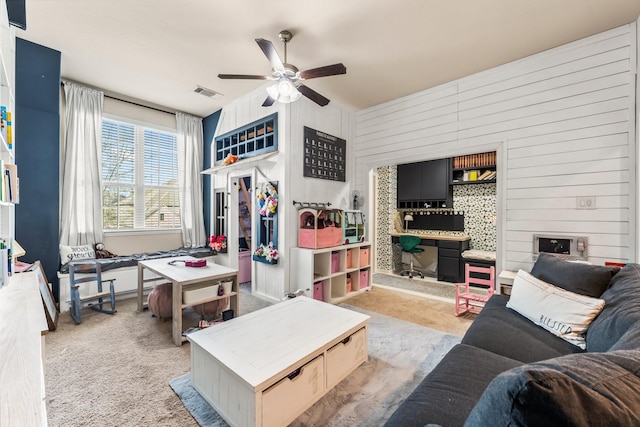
586 202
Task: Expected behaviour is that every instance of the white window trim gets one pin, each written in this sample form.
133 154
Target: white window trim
138 189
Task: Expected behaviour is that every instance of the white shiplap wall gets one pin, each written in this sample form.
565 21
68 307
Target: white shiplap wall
563 122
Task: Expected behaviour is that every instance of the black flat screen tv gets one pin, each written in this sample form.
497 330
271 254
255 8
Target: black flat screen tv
17 11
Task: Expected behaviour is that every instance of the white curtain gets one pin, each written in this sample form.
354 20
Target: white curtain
190 180
81 216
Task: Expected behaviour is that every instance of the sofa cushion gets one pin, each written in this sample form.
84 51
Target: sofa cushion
132 260
450 391
578 277
620 313
595 389
510 334
563 313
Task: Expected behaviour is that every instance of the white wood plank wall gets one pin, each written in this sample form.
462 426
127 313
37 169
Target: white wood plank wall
563 122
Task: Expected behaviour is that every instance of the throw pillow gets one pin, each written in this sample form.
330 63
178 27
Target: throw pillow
563 313
595 389
581 278
69 253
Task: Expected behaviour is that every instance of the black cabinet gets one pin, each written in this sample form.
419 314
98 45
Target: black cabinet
409 182
450 264
424 182
435 180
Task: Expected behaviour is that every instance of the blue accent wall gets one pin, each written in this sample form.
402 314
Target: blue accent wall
209 125
37 152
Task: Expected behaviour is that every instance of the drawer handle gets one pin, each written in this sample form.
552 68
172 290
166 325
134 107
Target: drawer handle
294 374
346 340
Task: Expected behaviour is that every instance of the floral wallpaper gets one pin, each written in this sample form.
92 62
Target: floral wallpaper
478 202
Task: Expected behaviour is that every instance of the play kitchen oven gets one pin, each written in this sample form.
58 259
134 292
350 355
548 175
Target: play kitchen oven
566 247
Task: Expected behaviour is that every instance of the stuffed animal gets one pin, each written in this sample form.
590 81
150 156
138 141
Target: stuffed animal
101 252
230 159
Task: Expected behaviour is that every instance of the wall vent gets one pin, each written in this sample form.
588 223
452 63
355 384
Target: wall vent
207 92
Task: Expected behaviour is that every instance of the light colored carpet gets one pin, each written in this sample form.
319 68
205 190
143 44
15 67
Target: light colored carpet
401 354
114 369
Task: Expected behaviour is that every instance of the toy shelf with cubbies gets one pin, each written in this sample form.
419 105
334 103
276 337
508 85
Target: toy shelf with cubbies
335 273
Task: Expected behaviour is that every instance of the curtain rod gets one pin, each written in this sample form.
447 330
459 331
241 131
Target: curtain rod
173 113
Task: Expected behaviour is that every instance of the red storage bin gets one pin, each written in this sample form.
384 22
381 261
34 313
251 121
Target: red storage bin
335 262
364 278
349 258
364 257
348 284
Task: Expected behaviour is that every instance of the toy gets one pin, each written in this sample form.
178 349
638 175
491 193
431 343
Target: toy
230 159
353 227
319 228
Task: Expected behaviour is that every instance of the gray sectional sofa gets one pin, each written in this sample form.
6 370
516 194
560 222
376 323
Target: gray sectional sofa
508 371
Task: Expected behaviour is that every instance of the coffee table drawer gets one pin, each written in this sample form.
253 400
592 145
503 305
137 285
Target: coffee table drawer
345 356
284 401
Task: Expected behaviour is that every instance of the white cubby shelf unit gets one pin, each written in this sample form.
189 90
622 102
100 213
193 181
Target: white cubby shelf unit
332 274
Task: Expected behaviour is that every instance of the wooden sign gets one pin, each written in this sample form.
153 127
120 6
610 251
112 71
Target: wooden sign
325 156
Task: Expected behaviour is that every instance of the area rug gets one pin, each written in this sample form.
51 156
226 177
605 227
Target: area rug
401 354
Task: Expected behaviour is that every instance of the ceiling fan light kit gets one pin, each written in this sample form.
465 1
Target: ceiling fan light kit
283 91
288 81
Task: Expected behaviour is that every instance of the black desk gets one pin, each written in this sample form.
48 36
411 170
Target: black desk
450 248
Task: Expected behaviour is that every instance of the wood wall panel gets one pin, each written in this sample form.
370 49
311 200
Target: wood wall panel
563 122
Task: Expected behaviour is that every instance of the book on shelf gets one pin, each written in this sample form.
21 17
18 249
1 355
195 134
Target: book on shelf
10 191
484 175
492 175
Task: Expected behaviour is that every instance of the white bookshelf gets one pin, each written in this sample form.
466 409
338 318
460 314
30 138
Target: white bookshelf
332 274
7 99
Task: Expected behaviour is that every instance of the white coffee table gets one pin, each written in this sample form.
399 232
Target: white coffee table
180 276
267 367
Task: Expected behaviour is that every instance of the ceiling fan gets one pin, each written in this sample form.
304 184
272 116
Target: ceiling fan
288 80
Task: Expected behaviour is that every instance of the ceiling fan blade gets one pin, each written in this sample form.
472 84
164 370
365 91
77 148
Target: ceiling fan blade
271 53
313 95
328 70
269 101
242 76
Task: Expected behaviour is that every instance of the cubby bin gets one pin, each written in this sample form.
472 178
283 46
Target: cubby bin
332 274
317 291
364 278
364 257
335 262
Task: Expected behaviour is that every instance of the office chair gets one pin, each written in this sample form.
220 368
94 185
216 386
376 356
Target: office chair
93 270
409 244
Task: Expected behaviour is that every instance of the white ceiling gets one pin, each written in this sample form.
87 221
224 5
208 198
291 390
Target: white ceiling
159 50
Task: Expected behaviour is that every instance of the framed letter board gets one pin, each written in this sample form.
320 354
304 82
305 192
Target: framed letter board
324 155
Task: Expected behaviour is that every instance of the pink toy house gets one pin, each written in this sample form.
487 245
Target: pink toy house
319 228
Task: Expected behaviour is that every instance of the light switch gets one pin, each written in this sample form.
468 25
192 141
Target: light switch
586 202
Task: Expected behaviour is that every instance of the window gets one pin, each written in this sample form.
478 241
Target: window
219 225
139 177
256 138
